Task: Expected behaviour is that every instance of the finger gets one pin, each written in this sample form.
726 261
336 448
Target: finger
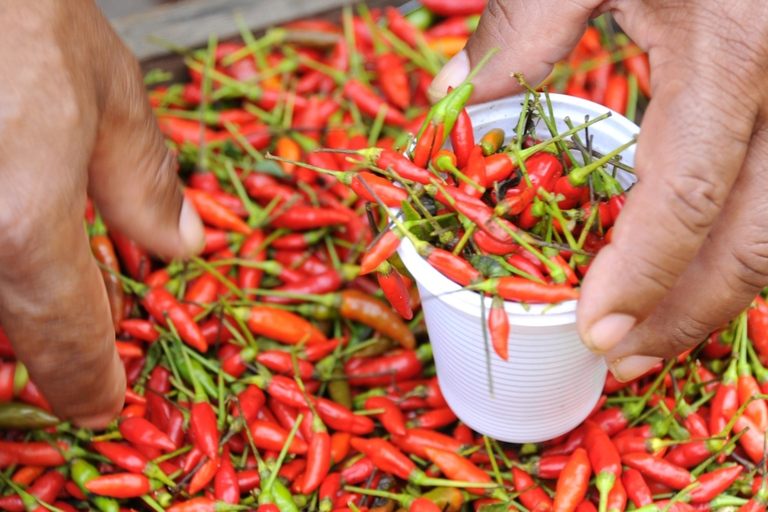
133 177
680 191
531 37
726 275
52 299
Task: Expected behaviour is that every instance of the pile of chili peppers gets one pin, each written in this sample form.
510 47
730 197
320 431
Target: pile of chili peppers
273 373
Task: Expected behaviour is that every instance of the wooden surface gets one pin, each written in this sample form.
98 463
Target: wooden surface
189 23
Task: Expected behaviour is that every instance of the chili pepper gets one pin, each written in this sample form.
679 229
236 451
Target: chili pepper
327 282
415 440
104 252
119 485
214 213
639 66
617 498
498 327
725 401
658 469
44 489
360 307
33 453
714 483
369 103
140 431
386 457
203 476
381 250
392 419
203 430
82 473
163 306
251 250
318 457
434 419
747 388
605 461
400 26
455 7
428 144
22 416
393 80
226 483
398 365
757 324
134 258
637 489
183 131
272 437
27 474
572 483
308 217
280 325
531 495
752 440
340 418
394 289
203 505
617 93
525 290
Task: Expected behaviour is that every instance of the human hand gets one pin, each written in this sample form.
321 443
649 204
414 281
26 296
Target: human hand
74 119
690 250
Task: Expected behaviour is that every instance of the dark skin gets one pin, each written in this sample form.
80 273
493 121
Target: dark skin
690 250
75 120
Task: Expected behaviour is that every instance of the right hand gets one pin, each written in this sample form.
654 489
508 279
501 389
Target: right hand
75 120
690 250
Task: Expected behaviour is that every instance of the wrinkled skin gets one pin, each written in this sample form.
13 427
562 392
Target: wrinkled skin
690 250
75 120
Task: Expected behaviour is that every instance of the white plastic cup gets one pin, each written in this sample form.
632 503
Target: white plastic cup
551 381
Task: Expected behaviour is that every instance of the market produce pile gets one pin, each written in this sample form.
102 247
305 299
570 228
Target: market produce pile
288 367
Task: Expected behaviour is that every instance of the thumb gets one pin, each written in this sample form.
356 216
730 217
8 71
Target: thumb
132 173
531 36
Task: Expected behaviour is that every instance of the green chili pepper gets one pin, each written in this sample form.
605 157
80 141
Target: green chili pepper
17 415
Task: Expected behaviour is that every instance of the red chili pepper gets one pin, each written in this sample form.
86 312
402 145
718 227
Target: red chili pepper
135 260
342 419
573 482
398 365
318 457
384 247
726 400
226 485
203 430
604 458
524 290
658 469
415 440
385 456
458 468
757 324
204 290
395 290
214 213
369 103
637 490
32 453
261 186
163 307
392 419
280 325
183 131
203 476
104 252
498 327
393 79
327 282
400 26
617 93
308 217
714 483
752 440
531 495
272 437
119 485
639 66
428 143
45 488
142 432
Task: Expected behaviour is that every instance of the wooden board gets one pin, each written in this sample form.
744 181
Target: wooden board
189 23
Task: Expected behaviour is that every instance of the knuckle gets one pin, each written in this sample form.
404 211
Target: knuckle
695 200
684 335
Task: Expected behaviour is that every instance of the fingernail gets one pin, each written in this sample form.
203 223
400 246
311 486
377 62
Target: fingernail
632 367
191 228
452 74
607 332
96 422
